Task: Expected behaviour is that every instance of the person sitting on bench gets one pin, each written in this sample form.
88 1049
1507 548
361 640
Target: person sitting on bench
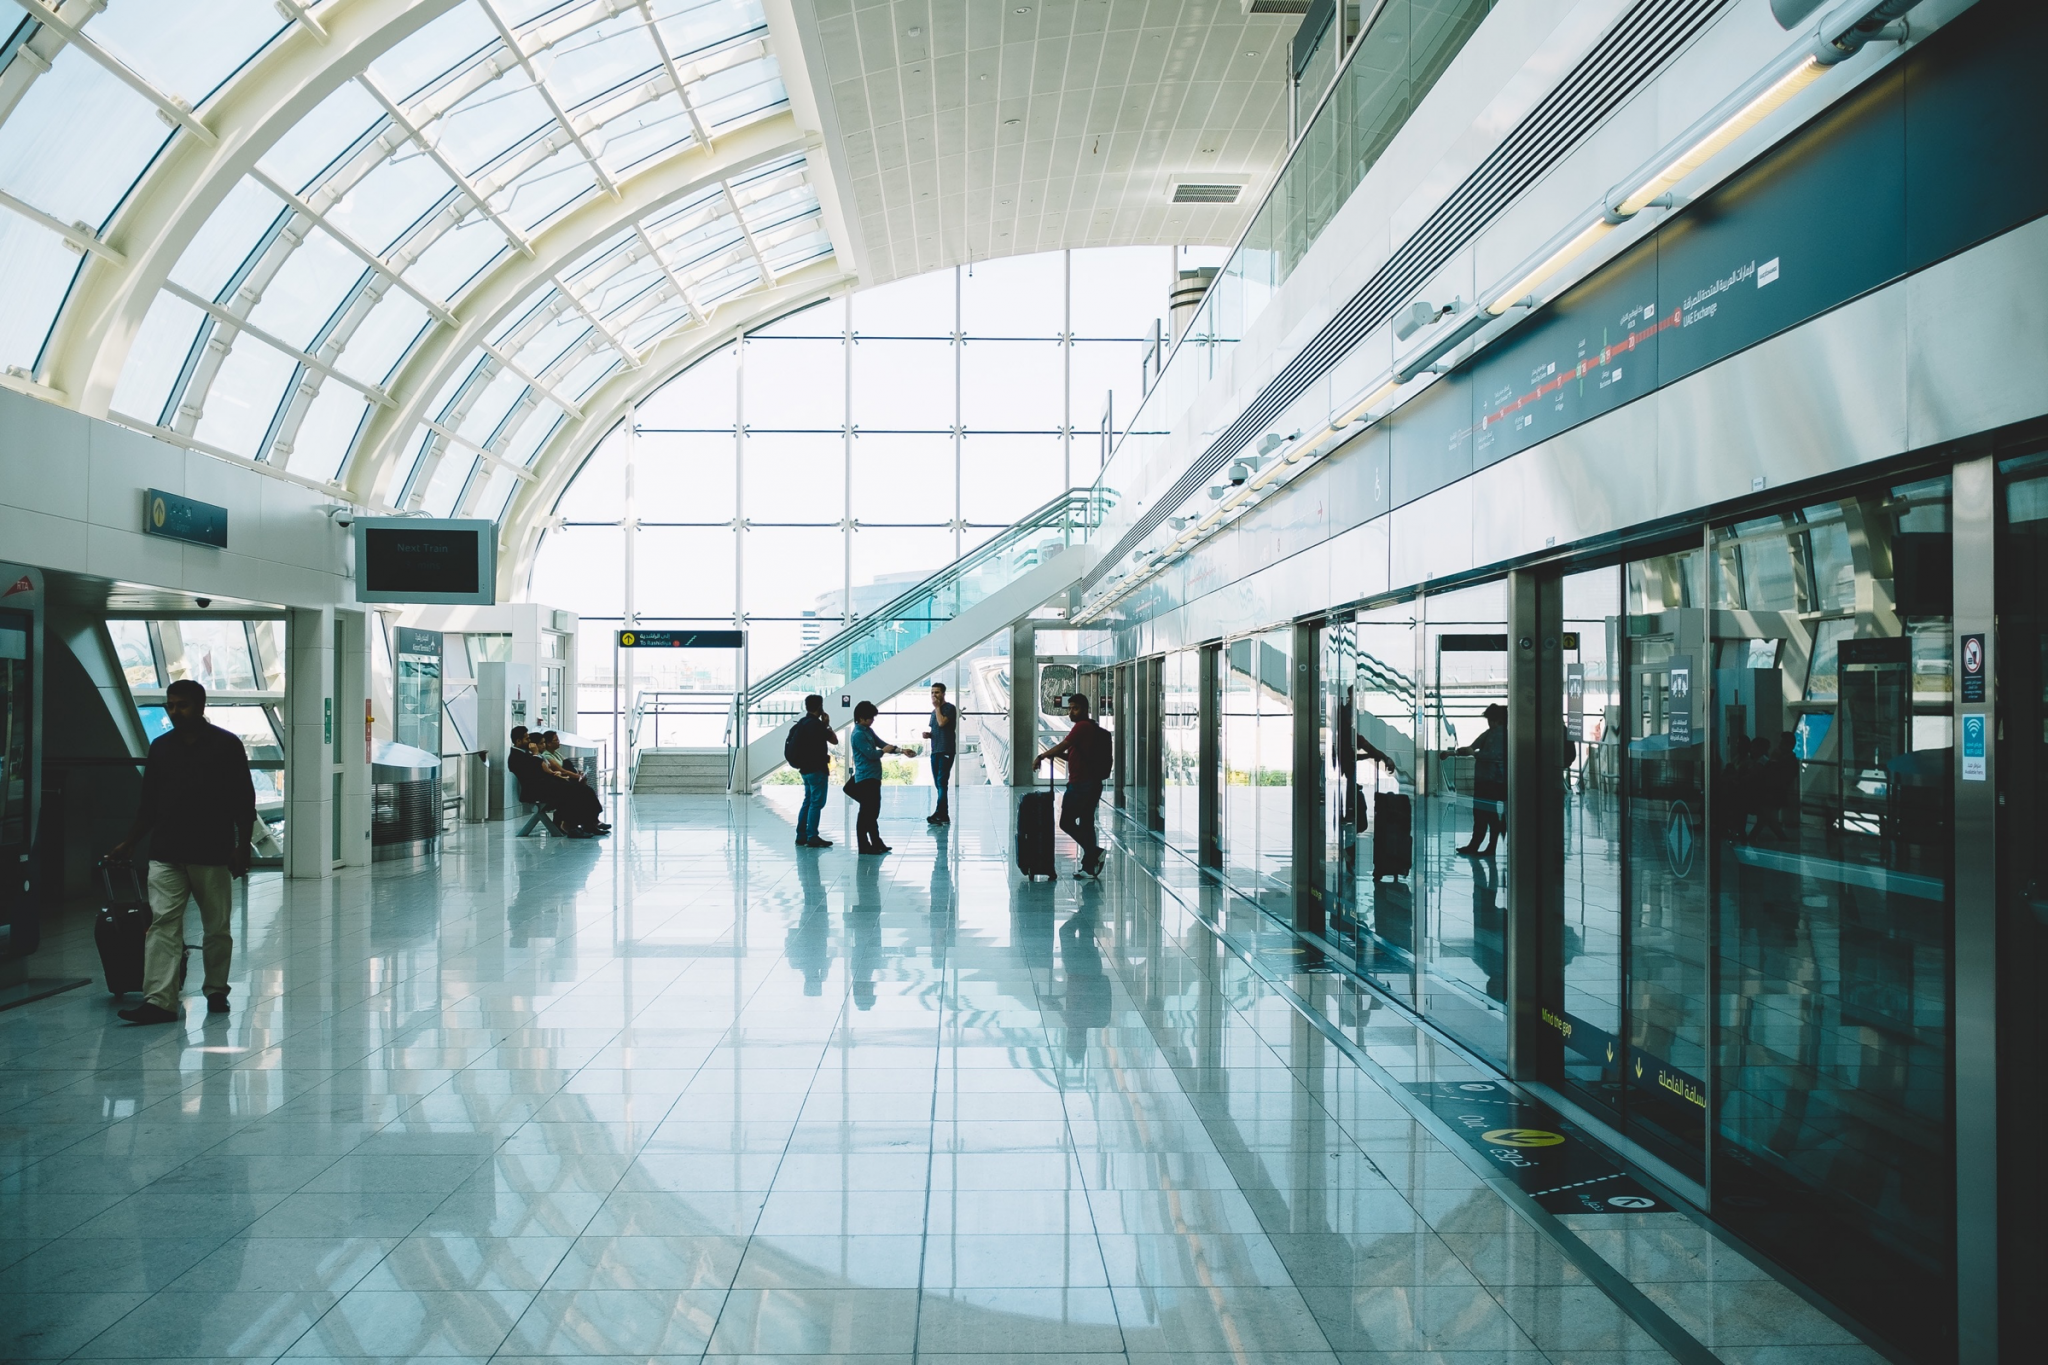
545 784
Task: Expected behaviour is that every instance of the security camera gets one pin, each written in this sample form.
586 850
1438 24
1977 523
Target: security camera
204 602
340 513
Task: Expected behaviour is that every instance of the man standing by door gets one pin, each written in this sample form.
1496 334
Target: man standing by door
198 808
1089 751
944 735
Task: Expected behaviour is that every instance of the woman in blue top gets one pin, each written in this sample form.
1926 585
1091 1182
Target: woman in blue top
866 786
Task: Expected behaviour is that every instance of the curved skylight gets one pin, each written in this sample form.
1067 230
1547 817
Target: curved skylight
435 265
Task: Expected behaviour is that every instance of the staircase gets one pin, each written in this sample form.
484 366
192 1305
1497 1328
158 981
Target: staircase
978 596
697 771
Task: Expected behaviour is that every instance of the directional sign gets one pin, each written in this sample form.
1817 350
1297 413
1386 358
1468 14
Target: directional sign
682 639
187 519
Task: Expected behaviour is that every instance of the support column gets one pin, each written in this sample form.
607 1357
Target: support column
1023 702
1973 518
312 715
352 740
1535 820
1308 790
1209 758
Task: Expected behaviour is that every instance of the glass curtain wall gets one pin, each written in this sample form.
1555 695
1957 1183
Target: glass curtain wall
1258 762
1833 740
811 472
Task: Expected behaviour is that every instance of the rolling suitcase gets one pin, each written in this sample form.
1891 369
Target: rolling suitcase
1393 835
123 927
1034 835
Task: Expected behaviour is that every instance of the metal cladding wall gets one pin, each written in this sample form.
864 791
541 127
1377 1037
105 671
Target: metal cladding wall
1821 309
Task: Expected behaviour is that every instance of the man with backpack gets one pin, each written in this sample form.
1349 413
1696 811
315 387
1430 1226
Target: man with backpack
1087 750
804 751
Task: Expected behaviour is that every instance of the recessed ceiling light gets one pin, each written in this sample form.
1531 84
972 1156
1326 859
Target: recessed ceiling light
1012 122
1006 201
915 32
1021 9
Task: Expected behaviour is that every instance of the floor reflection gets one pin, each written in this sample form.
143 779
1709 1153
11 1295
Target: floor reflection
689 1092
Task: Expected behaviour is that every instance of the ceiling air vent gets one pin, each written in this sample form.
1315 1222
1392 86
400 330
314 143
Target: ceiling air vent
1276 6
1188 192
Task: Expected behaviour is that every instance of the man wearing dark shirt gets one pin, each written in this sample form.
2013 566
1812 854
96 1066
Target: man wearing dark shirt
198 808
809 739
945 738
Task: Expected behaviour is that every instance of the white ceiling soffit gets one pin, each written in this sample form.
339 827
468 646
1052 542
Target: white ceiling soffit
389 245
978 128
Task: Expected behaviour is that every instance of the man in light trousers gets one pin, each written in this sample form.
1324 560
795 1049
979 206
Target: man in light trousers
198 808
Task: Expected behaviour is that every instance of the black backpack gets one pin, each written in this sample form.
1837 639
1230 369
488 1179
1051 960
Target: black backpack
798 748
1094 756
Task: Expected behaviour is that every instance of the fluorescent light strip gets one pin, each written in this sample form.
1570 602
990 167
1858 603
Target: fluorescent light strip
1717 139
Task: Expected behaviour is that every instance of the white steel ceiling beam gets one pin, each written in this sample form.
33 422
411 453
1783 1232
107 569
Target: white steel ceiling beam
173 109
739 218
306 358
675 281
448 168
78 234
591 316
360 251
675 77
301 16
555 107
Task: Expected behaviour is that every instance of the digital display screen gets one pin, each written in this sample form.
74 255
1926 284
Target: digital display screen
409 561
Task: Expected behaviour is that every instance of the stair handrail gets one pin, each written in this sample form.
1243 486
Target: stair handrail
1077 508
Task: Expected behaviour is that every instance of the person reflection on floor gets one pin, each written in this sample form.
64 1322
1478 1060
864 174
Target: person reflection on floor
809 946
941 894
1489 929
864 922
1085 1002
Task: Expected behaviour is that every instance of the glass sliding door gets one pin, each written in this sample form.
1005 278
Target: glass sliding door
1180 743
1258 759
1832 847
1461 848
1591 929
1663 1053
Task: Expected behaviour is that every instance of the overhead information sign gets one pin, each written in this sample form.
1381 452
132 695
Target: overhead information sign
186 519
681 639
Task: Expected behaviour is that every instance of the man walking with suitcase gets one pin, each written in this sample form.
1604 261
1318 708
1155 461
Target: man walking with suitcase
1087 751
198 808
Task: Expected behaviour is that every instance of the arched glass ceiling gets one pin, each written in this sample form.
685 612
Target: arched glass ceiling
434 266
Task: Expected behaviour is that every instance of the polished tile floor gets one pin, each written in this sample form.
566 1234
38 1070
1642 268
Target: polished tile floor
690 1093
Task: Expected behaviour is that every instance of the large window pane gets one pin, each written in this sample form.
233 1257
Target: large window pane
888 560
598 492
1593 896
683 571
795 383
1012 385
1002 477
796 476
903 385
683 476
791 571
902 478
